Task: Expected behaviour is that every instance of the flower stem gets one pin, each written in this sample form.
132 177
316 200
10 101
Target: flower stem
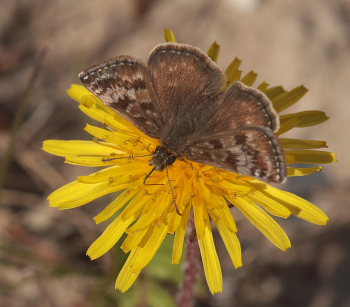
187 295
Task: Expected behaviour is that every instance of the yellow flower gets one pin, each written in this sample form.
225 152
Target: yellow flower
147 213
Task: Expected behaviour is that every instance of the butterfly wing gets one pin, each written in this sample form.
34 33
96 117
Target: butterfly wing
243 106
184 78
124 84
252 151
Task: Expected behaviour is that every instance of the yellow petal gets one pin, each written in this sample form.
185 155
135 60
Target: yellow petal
263 86
213 51
169 36
306 118
297 205
228 235
77 92
151 212
180 236
76 194
76 148
95 161
234 186
287 124
310 156
136 204
95 109
303 171
104 174
285 100
149 245
126 276
115 175
302 144
210 259
275 91
110 236
199 215
218 207
232 72
249 78
115 205
120 140
270 205
263 221
133 240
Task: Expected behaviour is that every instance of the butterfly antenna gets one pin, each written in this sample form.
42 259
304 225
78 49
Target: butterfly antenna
172 192
131 157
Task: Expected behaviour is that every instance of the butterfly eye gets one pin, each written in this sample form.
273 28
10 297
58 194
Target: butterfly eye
158 150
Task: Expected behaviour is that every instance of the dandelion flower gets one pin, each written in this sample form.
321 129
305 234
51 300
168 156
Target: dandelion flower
146 213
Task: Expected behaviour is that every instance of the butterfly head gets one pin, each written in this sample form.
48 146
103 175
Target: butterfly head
162 158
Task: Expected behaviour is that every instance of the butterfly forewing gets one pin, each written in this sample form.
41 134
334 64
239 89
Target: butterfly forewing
124 83
184 78
252 151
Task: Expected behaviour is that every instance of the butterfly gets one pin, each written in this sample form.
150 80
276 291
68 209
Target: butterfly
179 97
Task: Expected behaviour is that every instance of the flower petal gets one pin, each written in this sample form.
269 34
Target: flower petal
303 171
249 78
285 100
306 118
210 259
77 92
169 36
76 148
115 205
213 51
126 276
287 124
76 194
232 72
297 205
275 91
149 245
152 212
263 86
180 236
228 235
310 156
270 205
302 144
263 221
110 236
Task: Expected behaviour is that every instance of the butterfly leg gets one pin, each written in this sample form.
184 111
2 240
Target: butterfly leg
148 175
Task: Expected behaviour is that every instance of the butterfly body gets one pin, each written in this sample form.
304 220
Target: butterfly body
179 98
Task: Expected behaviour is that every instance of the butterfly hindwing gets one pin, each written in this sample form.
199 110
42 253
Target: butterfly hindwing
244 106
251 151
124 84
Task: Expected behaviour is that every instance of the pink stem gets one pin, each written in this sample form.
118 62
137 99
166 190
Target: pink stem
187 292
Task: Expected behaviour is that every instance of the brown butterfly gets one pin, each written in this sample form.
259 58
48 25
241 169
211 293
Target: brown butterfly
179 98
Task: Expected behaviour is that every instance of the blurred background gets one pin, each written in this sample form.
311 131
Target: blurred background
42 250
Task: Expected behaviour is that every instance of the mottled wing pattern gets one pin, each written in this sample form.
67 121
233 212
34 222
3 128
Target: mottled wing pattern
252 151
243 106
184 78
124 83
